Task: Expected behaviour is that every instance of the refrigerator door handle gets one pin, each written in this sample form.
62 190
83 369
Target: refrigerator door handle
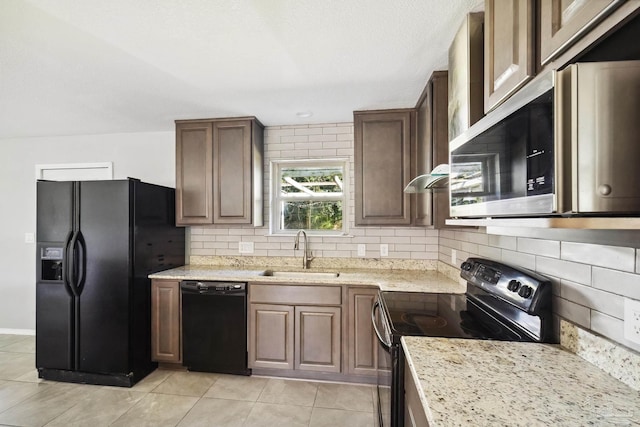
82 263
67 264
71 265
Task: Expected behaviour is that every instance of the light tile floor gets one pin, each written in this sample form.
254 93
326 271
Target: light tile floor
170 398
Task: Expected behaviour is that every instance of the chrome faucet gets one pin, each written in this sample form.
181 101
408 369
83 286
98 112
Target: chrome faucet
307 255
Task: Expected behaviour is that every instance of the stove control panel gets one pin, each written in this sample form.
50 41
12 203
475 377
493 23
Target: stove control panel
525 289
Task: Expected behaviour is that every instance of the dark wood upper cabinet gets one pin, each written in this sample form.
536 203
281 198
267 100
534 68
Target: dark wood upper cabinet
563 22
383 141
194 169
219 171
432 148
509 34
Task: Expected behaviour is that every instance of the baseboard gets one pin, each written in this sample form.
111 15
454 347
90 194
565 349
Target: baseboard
18 331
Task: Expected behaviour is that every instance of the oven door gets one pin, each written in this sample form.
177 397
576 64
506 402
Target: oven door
385 362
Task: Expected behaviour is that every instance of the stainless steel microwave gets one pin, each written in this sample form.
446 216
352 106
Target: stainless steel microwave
566 144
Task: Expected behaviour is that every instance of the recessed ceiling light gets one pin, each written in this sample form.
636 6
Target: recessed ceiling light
304 114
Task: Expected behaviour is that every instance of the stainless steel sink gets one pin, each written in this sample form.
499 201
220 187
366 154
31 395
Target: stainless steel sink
302 274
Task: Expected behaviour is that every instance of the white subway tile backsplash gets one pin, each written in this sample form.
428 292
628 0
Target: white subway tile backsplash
322 153
449 234
548 248
334 145
399 255
580 273
282 147
596 299
379 232
294 138
472 248
215 231
424 240
519 259
336 254
273 133
395 239
450 243
410 248
323 138
614 257
473 237
267 246
617 282
308 131
574 312
309 145
336 130
345 137
216 245
490 252
504 242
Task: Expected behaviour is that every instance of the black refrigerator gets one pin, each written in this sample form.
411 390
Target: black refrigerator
97 241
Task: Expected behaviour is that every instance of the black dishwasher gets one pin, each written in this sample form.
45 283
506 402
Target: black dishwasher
214 327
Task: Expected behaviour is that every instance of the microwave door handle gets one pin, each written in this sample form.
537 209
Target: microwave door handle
385 344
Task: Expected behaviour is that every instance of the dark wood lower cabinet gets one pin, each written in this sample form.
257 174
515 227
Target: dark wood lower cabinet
318 339
271 336
362 345
166 329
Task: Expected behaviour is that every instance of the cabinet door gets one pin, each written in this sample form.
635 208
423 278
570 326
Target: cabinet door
232 184
271 340
194 166
508 48
318 343
432 148
361 345
562 22
166 329
383 167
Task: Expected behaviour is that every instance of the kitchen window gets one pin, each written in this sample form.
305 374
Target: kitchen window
309 195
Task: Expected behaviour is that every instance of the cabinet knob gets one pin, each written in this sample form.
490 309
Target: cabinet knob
604 189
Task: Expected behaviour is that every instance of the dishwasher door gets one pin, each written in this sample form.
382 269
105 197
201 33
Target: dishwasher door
214 327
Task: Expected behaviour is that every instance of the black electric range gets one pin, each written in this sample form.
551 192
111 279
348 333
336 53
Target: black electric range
502 302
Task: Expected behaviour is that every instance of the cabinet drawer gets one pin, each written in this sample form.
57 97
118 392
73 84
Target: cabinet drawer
295 294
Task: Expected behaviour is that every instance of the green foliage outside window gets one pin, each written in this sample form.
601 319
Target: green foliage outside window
312 198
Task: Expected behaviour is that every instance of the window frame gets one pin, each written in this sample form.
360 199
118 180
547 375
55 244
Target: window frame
276 199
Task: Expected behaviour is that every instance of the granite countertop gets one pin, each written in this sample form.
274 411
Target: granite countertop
471 382
386 280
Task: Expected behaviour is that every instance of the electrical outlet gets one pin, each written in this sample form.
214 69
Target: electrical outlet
362 249
245 247
454 257
29 237
632 320
384 249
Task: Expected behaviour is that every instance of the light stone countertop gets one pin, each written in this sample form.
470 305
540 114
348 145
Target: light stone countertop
496 383
386 280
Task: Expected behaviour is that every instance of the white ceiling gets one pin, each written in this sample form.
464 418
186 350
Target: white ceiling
71 67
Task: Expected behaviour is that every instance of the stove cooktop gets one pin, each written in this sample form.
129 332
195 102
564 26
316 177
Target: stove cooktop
443 315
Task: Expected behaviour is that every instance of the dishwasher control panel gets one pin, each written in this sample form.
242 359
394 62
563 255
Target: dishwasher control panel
206 287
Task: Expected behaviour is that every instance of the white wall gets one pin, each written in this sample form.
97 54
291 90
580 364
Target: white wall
147 156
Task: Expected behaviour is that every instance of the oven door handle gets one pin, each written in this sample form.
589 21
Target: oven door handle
385 344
